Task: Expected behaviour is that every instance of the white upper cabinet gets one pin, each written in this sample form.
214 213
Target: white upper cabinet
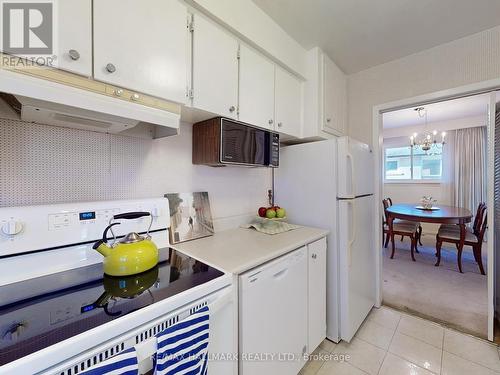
334 98
288 103
215 69
256 99
74 50
142 46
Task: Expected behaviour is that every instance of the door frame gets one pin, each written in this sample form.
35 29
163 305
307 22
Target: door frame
484 87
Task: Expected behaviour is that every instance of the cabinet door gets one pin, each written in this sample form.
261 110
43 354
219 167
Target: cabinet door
317 293
75 36
334 98
142 45
215 69
288 103
256 99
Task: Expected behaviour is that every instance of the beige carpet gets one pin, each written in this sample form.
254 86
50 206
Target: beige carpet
439 293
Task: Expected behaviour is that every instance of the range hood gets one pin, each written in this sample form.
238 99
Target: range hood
51 103
42 112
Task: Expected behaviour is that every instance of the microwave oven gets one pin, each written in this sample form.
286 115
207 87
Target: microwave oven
221 141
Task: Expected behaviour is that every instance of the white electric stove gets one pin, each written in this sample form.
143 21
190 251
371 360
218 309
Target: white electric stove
59 314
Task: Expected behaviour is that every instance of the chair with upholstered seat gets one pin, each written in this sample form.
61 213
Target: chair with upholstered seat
473 237
455 227
401 228
385 226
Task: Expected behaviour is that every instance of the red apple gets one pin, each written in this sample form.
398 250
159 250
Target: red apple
262 211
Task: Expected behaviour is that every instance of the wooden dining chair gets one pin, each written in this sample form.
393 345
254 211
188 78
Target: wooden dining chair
473 237
385 226
402 228
455 227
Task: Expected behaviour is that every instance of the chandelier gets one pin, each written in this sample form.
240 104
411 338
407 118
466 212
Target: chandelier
427 141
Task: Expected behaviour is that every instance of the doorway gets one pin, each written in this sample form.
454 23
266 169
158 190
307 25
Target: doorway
403 283
437 154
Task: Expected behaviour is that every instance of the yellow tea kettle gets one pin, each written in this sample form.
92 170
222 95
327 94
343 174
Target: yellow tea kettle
130 255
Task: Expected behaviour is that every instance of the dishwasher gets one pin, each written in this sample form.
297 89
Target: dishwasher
273 316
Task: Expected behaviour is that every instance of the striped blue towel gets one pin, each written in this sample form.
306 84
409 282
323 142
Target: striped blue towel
124 363
183 347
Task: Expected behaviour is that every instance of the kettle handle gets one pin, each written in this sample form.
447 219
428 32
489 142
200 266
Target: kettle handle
131 215
104 236
134 215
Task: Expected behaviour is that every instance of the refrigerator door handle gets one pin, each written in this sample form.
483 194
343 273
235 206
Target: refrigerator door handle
352 233
351 162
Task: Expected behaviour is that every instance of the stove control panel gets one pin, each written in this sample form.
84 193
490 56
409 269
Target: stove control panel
32 228
64 220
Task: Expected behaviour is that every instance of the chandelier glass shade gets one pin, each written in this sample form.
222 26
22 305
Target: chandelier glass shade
427 140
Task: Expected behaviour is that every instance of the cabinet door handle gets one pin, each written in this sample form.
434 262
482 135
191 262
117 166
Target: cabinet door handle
74 54
110 68
314 256
280 124
232 109
271 122
328 120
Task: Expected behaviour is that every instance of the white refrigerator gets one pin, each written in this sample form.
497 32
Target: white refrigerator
330 184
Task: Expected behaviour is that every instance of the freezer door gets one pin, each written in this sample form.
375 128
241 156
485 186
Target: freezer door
357 264
355 168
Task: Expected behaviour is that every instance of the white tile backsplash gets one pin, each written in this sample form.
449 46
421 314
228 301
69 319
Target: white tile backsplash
42 164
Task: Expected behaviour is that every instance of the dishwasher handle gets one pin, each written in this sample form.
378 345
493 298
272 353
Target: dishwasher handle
273 271
280 274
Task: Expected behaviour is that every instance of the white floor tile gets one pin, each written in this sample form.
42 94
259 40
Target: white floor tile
362 355
384 316
471 348
454 365
416 351
394 365
375 334
339 368
421 329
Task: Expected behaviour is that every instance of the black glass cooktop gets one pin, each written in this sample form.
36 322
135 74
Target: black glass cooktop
37 313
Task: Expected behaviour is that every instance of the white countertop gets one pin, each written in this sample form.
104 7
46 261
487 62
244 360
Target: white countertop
239 250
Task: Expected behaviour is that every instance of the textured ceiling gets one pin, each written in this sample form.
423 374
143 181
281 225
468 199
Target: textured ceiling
358 34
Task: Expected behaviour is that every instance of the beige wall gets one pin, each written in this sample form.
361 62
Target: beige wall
412 193
468 60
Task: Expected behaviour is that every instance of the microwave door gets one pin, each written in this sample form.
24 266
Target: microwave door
242 144
260 148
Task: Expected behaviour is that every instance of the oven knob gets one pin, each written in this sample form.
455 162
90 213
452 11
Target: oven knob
12 227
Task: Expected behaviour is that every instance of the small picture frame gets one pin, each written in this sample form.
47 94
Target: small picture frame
190 216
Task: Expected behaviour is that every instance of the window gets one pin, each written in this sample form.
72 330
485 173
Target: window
405 163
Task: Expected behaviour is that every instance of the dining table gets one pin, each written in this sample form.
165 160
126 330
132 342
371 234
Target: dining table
440 214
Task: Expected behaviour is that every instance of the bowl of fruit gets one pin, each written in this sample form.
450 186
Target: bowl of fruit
272 213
